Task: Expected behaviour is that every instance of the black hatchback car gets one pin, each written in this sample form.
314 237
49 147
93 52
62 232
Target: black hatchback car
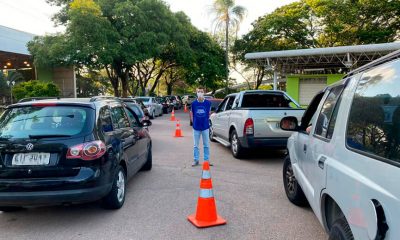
70 151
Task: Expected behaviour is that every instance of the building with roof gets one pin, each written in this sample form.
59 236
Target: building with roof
307 71
15 57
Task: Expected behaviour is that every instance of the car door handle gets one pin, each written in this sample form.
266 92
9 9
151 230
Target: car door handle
321 162
305 148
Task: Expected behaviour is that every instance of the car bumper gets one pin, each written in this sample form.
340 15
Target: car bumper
47 198
89 185
253 142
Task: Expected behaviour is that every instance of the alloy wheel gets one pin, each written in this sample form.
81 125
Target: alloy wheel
234 143
121 186
291 181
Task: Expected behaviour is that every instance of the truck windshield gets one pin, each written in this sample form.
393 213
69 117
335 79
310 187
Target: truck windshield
44 122
267 100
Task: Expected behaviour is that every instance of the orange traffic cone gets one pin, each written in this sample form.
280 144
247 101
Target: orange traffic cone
173 115
186 110
206 213
178 130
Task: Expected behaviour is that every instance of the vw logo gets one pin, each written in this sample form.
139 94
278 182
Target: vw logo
29 146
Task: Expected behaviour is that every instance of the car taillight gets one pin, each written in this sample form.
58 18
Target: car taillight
248 127
87 151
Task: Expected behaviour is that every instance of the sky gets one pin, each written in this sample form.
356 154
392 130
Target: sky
34 16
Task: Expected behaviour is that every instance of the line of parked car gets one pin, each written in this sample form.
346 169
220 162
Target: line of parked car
157 106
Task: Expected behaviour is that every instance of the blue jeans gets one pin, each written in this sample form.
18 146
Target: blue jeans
206 144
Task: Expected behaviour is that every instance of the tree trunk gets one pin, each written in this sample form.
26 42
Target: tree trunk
115 85
157 80
124 82
143 90
227 54
114 81
169 88
260 76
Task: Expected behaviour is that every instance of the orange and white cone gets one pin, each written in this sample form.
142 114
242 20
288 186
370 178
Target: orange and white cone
178 130
173 115
186 110
206 213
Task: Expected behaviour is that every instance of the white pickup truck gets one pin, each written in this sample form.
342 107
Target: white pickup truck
250 119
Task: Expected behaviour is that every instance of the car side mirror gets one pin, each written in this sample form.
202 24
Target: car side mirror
146 123
289 124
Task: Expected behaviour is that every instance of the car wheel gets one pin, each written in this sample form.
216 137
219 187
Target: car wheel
237 150
340 230
292 188
149 162
211 132
153 115
10 209
116 197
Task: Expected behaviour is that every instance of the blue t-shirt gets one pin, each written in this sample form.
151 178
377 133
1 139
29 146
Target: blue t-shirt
201 115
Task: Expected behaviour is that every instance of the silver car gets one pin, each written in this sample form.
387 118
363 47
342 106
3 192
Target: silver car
154 107
250 119
344 157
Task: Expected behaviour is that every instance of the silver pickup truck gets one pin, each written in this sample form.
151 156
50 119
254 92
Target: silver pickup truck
250 119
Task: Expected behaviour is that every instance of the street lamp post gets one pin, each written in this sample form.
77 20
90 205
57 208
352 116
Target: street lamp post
11 84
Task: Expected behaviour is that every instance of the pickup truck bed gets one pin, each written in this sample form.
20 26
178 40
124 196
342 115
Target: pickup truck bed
250 119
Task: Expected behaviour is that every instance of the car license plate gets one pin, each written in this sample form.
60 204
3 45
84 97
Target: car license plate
30 159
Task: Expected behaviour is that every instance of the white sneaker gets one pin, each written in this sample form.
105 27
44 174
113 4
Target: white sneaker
194 164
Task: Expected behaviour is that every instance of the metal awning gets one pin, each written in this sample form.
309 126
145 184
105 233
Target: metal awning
328 60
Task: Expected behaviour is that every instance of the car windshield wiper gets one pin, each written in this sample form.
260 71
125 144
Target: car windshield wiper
48 136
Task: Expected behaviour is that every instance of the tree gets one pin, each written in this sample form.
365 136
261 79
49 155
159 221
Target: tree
227 16
323 23
319 23
91 83
356 22
135 41
12 76
35 88
208 65
114 35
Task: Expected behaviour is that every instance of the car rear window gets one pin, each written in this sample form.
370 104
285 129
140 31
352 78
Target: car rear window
143 99
25 122
267 100
136 109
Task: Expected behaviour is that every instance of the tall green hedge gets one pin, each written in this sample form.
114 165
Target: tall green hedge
35 88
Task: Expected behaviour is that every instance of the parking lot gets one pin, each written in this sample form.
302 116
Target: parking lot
249 194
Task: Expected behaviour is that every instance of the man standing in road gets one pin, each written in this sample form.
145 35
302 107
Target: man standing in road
200 116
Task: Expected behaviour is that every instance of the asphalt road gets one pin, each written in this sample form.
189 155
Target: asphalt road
249 194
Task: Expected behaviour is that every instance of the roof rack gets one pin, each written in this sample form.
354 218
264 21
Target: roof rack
32 99
379 61
98 98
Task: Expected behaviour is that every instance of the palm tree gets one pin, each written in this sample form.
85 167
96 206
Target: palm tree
227 16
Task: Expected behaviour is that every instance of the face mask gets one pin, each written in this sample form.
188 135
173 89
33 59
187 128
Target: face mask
200 94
